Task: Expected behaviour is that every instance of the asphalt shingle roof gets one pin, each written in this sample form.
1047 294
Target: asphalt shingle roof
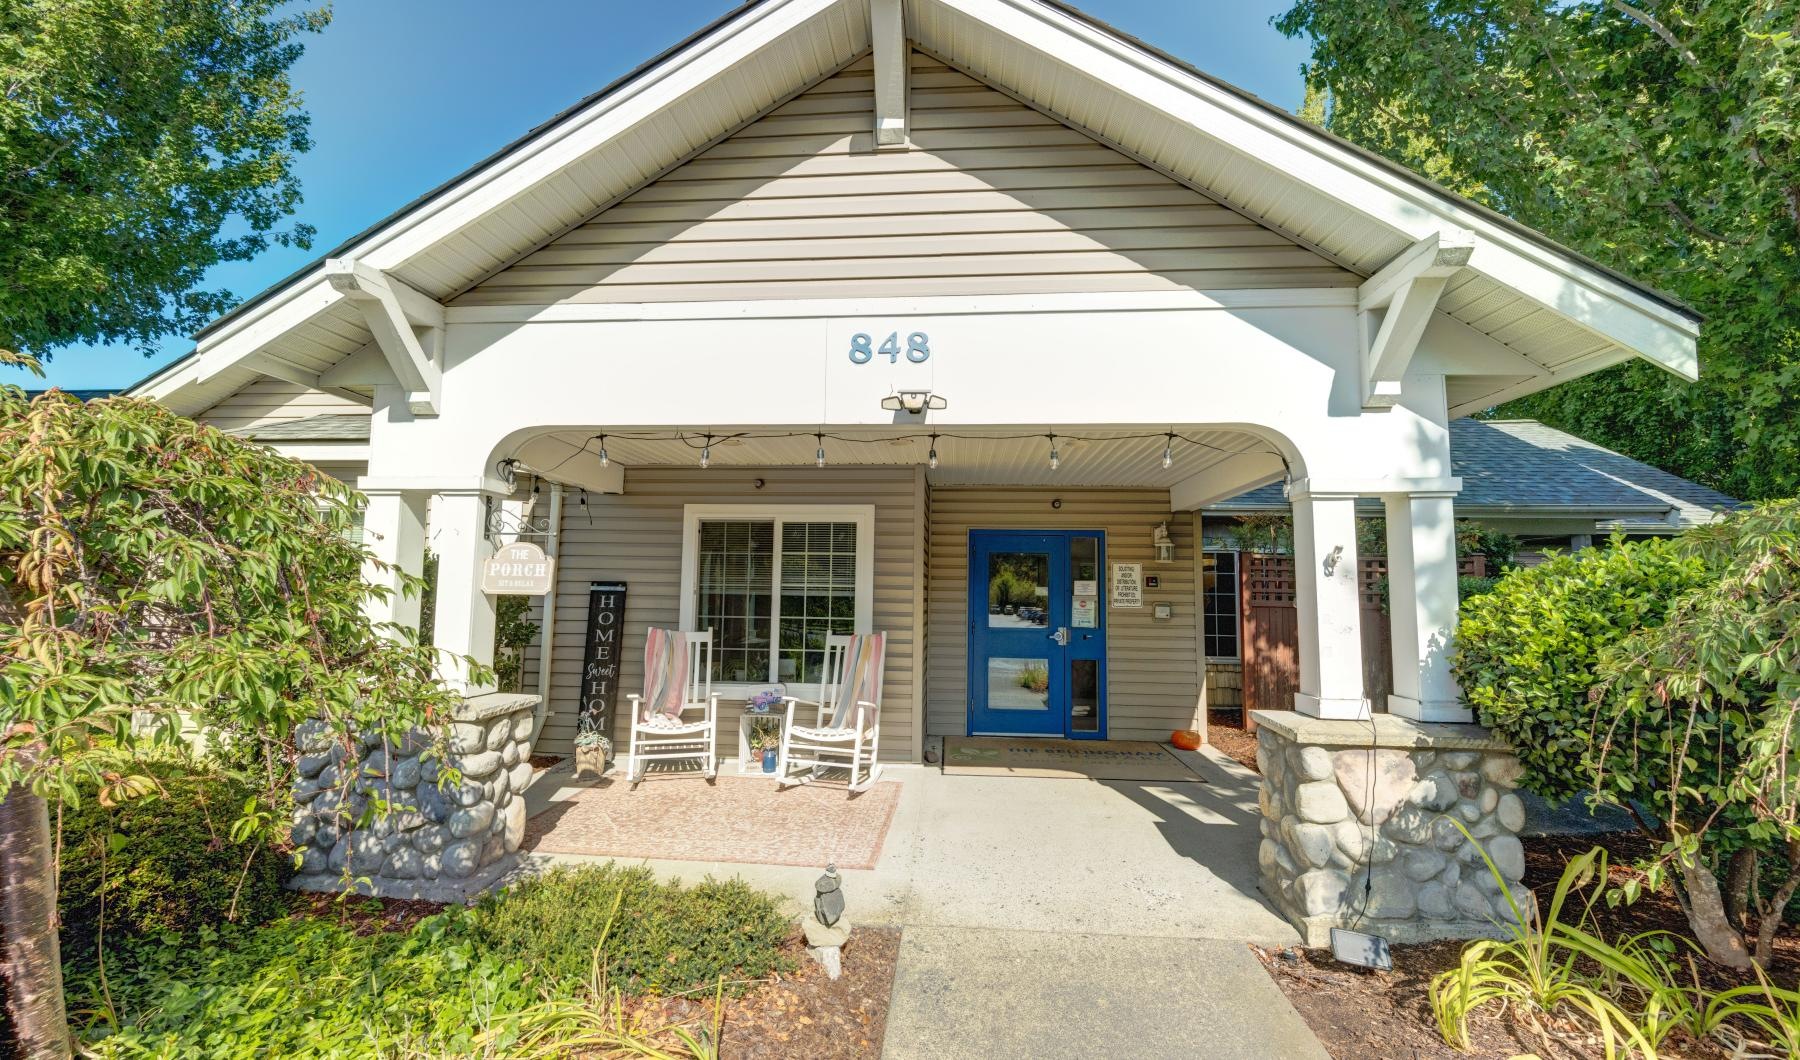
1523 465
332 427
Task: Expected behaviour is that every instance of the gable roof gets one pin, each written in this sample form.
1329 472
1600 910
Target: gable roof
1562 314
1523 467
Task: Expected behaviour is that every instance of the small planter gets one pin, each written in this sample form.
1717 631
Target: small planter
590 761
768 760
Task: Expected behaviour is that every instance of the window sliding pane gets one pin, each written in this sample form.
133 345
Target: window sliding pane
818 595
736 595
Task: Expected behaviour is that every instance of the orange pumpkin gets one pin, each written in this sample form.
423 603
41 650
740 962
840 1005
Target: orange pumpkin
1186 739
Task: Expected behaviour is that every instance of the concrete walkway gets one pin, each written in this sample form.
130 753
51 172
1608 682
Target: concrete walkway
1003 994
1038 854
1049 917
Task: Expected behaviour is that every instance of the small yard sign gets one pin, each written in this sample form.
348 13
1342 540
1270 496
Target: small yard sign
518 569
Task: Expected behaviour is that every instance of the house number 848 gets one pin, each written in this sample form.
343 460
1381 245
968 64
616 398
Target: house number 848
863 348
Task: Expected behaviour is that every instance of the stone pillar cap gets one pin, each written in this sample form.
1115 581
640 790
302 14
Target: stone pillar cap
1380 731
492 705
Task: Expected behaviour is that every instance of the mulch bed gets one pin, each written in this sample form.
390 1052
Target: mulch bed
1357 1012
804 1013
807 1013
1225 731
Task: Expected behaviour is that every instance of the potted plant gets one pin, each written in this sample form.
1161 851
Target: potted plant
765 740
592 749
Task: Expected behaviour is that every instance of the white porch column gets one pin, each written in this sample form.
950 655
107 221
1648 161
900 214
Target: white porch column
1330 605
465 615
394 530
1422 600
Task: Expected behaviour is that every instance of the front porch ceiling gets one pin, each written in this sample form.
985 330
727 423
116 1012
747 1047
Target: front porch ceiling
967 456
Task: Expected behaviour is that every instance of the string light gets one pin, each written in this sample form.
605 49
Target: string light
931 460
603 460
706 454
1169 452
821 455
1055 461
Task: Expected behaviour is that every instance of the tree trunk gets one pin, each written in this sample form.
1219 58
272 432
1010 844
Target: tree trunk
1774 911
31 984
1740 883
1706 915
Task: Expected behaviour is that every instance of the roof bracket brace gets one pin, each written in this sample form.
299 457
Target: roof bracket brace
887 24
408 328
1406 290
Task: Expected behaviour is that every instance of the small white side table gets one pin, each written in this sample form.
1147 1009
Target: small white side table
746 766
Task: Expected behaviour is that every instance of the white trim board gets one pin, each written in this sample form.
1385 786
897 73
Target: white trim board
862 515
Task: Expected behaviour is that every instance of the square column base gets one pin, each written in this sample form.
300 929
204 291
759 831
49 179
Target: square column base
1334 709
1454 711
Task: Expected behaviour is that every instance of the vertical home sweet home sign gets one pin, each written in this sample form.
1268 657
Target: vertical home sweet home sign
600 655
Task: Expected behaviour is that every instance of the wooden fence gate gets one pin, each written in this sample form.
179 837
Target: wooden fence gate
1270 641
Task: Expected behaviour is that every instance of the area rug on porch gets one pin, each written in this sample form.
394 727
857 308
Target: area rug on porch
969 756
738 819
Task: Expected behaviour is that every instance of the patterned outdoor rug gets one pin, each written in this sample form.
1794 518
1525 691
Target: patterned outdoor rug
737 819
973 756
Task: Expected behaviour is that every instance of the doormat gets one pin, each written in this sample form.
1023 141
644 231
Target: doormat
736 819
972 756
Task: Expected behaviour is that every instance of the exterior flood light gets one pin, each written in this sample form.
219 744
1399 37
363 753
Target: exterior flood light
913 402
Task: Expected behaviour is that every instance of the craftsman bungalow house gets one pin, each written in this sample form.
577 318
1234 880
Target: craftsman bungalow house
940 317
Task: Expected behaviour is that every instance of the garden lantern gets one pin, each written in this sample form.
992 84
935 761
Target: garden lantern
828 899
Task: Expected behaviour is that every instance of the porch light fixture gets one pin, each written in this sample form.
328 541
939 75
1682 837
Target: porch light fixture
706 454
1169 452
820 458
603 460
1163 543
1055 460
931 460
913 402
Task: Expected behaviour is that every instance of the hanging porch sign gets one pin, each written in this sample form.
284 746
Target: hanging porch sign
518 569
601 646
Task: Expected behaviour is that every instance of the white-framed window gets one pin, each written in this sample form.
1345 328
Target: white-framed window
1219 597
772 581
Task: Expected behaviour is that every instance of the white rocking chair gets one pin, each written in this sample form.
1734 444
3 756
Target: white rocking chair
850 687
677 679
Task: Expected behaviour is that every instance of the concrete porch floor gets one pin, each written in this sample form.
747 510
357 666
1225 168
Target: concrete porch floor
1171 860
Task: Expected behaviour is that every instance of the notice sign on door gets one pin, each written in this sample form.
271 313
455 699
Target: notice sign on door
1128 585
1086 613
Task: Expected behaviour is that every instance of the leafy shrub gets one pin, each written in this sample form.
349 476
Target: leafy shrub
164 861
667 938
296 987
1528 652
1468 585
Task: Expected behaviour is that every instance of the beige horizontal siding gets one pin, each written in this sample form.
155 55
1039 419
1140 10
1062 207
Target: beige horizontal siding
636 538
1153 682
993 198
267 401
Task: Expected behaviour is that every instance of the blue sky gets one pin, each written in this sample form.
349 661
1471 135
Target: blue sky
405 94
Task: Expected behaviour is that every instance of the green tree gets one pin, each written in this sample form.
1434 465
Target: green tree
1657 138
154 572
141 142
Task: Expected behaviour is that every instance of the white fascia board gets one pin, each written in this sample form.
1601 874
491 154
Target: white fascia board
1655 331
1229 477
506 178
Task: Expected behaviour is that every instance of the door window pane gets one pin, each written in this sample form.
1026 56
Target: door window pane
1018 590
1084 695
1018 684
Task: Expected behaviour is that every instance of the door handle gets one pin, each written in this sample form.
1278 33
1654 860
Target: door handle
1061 636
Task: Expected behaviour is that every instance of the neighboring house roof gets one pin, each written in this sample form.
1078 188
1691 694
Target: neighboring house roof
1546 313
1523 467
333 427
79 395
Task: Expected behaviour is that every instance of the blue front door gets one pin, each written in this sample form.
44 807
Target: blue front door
1037 633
